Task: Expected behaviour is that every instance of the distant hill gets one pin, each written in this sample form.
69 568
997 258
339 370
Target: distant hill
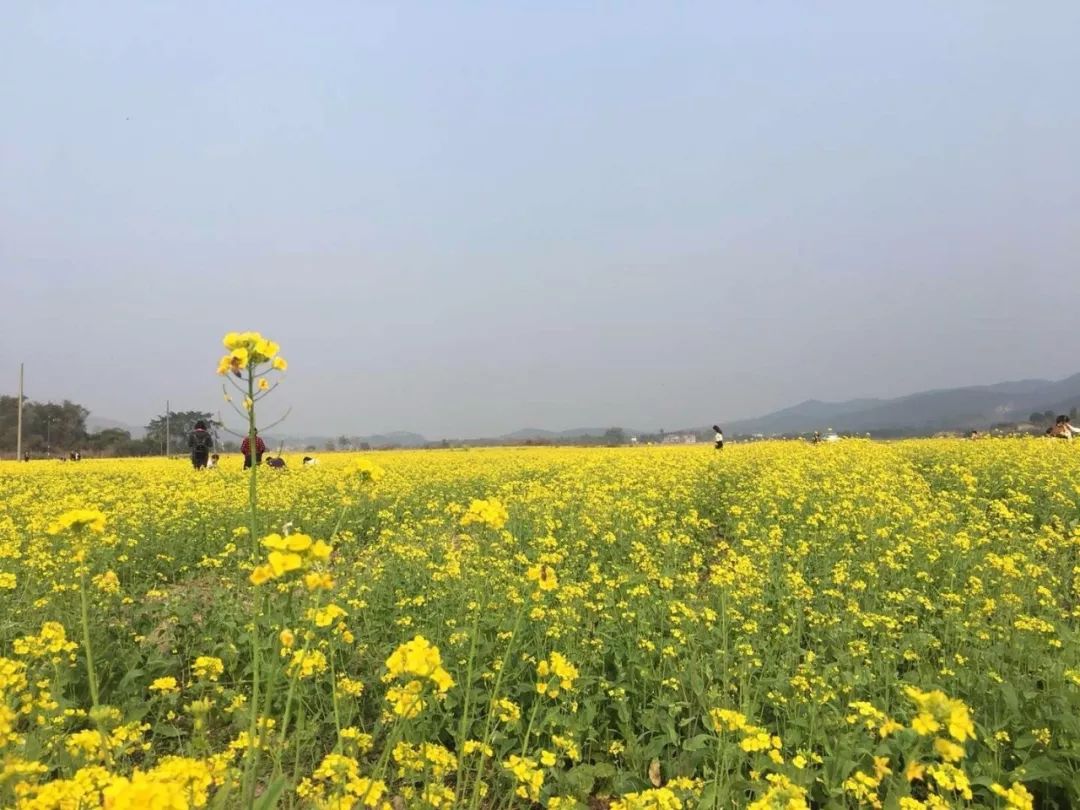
533 434
398 438
926 412
95 424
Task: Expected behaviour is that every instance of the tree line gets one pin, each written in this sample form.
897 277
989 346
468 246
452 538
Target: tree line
1047 417
53 429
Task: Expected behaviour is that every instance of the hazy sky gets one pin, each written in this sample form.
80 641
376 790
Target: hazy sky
466 218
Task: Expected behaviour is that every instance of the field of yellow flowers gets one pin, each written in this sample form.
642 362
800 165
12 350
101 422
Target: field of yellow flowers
776 625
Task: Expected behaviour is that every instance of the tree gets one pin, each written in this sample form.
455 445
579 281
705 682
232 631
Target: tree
108 439
117 442
179 424
46 425
344 443
614 436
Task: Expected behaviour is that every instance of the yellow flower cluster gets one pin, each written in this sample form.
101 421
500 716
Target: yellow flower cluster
176 783
416 661
336 783
421 658
486 512
50 643
249 350
1016 796
294 553
77 520
937 711
755 739
543 576
781 794
663 798
528 776
367 470
208 667
555 673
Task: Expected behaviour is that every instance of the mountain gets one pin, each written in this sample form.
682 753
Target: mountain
977 406
397 438
527 434
95 424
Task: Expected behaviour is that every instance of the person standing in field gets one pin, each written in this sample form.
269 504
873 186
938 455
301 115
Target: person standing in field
200 442
245 448
718 439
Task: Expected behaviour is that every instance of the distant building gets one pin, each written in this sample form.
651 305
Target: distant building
680 438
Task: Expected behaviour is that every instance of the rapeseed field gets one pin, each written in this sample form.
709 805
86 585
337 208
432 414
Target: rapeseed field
775 625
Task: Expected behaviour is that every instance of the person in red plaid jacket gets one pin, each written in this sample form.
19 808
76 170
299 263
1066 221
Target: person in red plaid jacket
245 448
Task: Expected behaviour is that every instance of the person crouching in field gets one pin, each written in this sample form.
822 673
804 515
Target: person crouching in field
200 442
245 448
1062 428
718 439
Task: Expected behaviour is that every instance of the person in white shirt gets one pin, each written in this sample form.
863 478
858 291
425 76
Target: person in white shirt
718 439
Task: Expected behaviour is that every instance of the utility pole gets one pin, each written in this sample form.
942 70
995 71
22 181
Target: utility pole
168 437
18 441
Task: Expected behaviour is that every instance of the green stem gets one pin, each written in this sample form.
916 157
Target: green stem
253 493
252 763
296 755
463 726
475 800
334 696
90 673
529 728
292 691
251 766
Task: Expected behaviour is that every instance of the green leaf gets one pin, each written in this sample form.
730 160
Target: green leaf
221 798
709 796
581 778
1012 700
1037 769
604 770
698 742
269 799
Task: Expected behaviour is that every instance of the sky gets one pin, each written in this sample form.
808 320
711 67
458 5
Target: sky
462 219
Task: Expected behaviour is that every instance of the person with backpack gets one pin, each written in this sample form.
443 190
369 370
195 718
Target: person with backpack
200 442
245 448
